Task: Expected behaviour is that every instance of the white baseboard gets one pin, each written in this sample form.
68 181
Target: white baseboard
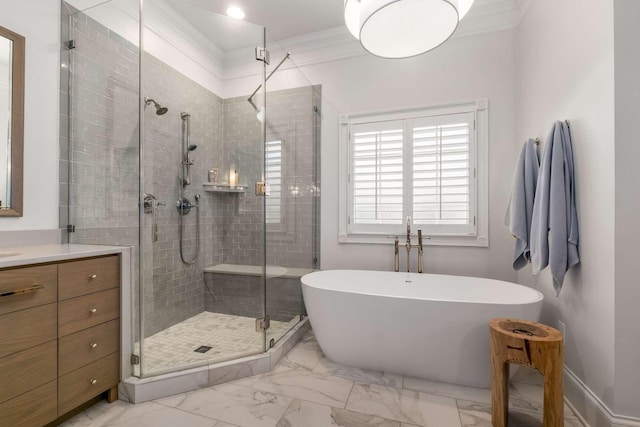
589 408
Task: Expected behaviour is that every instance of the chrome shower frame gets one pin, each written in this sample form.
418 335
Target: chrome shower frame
250 99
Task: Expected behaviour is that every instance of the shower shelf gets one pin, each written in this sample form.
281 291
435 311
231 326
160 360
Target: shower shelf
220 187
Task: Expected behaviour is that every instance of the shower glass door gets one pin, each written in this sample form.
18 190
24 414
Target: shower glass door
292 202
202 242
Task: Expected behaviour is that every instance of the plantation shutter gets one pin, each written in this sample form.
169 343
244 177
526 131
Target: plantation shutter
273 180
421 167
376 175
443 168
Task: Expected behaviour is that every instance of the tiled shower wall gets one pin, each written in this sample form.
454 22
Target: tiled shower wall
177 291
99 173
293 117
104 154
102 196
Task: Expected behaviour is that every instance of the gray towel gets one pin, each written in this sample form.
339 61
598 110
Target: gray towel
554 230
520 207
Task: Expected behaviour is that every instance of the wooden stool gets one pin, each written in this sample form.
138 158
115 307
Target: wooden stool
530 344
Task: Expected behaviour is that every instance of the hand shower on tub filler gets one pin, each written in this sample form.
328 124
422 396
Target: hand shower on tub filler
408 245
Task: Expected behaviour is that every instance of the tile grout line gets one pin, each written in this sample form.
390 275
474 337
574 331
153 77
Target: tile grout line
353 384
286 410
459 414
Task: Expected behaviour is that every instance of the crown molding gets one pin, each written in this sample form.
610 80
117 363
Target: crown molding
161 18
337 43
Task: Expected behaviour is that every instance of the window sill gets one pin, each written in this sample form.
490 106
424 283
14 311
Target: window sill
467 241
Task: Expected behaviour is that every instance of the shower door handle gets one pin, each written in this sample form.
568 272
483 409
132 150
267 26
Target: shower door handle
151 204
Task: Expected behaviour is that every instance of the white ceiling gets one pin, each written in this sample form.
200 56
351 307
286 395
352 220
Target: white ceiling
206 20
284 19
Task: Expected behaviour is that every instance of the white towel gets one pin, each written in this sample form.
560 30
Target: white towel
520 207
554 229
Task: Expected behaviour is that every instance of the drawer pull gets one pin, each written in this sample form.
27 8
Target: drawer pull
22 291
93 382
93 276
94 345
93 311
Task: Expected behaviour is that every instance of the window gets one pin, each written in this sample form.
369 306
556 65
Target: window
427 164
273 180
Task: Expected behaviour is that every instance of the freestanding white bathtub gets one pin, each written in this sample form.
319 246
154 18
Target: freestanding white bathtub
423 325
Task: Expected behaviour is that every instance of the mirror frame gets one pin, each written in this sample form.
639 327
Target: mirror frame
17 121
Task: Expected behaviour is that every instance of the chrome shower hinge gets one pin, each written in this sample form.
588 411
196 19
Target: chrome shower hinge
262 54
261 189
135 359
263 323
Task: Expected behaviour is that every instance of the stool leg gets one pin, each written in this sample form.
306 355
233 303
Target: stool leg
500 393
553 410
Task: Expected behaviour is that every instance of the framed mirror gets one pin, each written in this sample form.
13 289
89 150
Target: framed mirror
11 121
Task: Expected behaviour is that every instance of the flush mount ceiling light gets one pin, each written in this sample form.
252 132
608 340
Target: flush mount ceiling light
403 28
235 12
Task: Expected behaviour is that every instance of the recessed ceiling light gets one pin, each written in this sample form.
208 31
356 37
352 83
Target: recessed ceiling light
235 12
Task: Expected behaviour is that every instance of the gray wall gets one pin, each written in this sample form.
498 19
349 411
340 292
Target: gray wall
291 119
176 289
627 232
241 295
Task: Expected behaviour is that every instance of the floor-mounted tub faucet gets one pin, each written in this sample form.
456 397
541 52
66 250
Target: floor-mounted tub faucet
408 246
408 243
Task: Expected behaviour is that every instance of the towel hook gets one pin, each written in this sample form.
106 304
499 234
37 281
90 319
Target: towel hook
568 122
537 141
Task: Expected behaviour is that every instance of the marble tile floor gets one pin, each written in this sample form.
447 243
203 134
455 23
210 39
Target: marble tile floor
307 390
230 337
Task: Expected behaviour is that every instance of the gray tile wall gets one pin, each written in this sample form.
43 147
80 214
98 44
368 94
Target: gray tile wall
291 119
177 291
241 295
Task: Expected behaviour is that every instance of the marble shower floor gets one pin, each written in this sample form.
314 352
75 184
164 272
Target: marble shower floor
307 390
230 337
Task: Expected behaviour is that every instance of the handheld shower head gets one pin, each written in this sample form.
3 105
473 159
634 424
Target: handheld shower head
192 147
160 110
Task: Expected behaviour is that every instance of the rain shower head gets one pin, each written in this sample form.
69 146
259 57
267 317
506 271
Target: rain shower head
160 110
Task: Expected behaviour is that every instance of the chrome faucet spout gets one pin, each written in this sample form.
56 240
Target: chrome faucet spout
396 258
408 231
420 266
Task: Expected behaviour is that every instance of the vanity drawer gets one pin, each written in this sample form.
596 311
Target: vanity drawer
33 286
88 276
83 312
81 348
27 370
27 328
34 408
87 382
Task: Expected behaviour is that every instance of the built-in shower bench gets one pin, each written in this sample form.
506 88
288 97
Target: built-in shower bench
238 290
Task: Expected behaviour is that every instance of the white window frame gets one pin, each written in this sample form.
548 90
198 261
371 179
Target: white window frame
479 236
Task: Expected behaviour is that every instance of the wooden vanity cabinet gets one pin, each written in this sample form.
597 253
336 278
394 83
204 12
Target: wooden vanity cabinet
59 338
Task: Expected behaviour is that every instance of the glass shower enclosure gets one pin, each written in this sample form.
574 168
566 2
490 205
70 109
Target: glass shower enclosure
174 143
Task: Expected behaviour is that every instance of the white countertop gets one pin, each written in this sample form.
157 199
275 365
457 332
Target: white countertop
13 257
